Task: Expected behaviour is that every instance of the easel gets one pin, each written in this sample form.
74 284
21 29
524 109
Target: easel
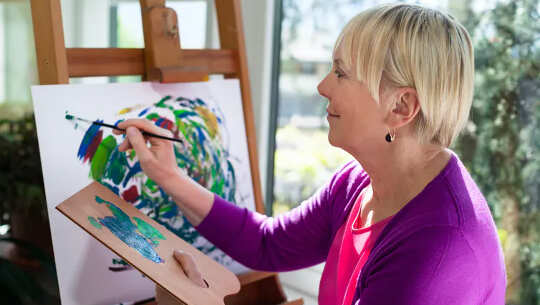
163 60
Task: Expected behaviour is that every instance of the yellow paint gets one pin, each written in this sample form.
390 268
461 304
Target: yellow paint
210 119
129 109
125 110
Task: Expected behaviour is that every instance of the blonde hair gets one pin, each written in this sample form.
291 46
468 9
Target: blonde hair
416 47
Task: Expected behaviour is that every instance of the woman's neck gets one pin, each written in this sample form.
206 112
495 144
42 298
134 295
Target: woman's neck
401 171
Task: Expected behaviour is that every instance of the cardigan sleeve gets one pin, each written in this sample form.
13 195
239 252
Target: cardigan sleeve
434 265
293 240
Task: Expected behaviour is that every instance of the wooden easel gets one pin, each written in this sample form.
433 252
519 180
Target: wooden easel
163 60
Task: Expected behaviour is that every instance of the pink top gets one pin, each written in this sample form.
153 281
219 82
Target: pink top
348 254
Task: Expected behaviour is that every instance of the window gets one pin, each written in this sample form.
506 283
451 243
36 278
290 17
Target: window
17 58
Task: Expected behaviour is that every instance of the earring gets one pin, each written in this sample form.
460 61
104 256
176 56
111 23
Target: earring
390 137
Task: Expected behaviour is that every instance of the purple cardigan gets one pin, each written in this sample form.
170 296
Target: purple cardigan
441 248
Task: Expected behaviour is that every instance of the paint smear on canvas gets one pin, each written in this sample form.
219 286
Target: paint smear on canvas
203 155
140 235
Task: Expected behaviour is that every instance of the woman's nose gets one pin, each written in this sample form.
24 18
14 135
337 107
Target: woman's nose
322 88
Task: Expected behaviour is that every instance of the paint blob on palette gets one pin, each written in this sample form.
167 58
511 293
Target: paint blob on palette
203 155
138 235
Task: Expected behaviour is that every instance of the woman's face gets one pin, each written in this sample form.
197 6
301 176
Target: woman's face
355 118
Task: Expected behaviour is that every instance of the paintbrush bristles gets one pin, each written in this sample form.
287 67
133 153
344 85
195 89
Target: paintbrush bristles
72 117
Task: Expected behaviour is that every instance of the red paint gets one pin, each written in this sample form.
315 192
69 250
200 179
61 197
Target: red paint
93 146
131 194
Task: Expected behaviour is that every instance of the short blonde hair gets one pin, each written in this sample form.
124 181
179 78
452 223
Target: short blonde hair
416 47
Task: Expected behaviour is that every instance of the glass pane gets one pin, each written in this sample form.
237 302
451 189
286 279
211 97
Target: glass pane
500 145
17 58
129 31
191 21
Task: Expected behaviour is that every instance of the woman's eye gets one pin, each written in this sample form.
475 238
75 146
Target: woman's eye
339 74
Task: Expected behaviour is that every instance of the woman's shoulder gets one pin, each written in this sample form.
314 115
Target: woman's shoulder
451 208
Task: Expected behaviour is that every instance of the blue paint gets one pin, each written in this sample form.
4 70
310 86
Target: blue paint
87 140
120 225
201 140
144 111
135 169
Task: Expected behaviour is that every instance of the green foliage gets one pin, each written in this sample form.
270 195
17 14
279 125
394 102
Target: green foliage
500 145
21 180
304 160
19 286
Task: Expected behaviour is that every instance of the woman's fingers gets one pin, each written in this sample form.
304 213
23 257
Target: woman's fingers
137 141
189 267
125 145
146 125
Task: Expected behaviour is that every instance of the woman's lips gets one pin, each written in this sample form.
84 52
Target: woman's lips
330 114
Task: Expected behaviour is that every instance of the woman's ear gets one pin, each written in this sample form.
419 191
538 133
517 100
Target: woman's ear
404 109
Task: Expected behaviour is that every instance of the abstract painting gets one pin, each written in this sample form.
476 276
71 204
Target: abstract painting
206 116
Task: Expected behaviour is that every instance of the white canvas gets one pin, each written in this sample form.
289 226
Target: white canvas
84 265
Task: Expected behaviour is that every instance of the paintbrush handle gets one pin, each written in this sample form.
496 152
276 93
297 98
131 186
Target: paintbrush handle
145 133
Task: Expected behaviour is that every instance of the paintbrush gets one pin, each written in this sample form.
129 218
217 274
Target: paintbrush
145 133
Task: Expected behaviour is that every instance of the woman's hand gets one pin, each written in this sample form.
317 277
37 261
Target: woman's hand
190 270
157 161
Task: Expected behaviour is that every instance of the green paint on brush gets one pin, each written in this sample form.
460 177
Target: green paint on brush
99 161
94 222
148 231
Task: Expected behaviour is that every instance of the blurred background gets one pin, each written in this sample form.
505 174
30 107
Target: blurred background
289 46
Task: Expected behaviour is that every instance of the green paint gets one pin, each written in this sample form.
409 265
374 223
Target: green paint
94 222
99 199
151 185
164 209
152 116
99 161
148 231
117 167
118 213
217 186
119 262
161 103
69 117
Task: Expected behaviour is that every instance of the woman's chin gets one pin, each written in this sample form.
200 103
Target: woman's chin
332 140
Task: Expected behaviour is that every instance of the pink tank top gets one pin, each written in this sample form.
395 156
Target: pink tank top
348 254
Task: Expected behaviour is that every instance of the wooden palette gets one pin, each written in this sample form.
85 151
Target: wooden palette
92 209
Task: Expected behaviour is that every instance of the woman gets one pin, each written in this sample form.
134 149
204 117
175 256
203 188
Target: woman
403 223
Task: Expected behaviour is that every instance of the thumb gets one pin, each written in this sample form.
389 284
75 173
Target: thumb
138 143
189 267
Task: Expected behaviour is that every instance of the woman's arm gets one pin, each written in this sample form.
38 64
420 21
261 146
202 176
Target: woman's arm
294 240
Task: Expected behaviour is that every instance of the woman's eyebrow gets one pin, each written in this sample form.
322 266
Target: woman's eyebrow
338 62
